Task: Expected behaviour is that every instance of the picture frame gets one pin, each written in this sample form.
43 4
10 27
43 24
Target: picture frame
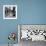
9 11
36 32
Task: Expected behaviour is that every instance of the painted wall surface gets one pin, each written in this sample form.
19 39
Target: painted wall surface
7 26
34 12
28 12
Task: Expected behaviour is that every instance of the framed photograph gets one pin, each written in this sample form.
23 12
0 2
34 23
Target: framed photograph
9 11
31 32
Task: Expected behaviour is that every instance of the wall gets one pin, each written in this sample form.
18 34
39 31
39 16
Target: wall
34 12
28 12
7 26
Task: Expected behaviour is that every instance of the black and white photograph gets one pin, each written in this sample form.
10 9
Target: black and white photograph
29 35
9 11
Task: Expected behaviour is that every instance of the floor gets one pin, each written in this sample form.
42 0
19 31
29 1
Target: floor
30 43
7 45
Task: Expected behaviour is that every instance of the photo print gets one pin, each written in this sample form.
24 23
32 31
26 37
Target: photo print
9 11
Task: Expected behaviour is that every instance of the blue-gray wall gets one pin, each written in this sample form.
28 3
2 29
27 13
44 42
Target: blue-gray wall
28 12
33 12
